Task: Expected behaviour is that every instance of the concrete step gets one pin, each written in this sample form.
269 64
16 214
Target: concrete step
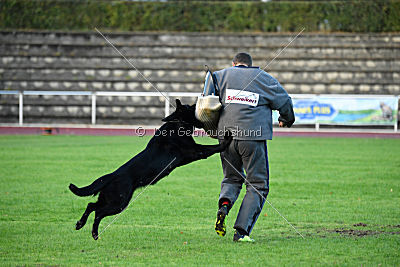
294 87
83 121
142 86
108 63
335 88
212 39
82 112
201 52
102 75
189 77
66 100
273 46
170 64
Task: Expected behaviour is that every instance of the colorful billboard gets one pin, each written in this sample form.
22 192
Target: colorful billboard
345 110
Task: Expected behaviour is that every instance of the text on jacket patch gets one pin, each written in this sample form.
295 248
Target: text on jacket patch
241 97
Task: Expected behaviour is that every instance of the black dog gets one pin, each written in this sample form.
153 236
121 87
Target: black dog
171 147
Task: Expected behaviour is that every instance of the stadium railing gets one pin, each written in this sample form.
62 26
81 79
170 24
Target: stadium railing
166 95
94 96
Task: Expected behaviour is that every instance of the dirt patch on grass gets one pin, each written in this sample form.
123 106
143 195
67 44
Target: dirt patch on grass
360 232
360 224
352 232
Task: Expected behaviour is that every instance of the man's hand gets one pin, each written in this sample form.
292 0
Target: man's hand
284 123
287 117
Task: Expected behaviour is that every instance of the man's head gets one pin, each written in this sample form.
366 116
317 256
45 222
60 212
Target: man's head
242 59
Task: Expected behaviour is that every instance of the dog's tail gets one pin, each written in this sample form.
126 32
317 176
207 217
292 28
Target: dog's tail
93 188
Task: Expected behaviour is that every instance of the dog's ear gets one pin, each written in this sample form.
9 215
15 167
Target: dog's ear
178 103
171 117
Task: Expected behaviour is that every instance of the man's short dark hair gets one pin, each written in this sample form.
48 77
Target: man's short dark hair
243 58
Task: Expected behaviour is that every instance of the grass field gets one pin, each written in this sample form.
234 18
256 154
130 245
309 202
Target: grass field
324 187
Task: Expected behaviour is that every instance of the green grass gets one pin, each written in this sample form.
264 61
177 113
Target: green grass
320 185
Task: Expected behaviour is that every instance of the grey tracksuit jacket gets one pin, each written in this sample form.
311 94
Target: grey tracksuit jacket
248 96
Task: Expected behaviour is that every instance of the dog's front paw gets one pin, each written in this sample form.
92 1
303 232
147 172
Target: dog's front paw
227 139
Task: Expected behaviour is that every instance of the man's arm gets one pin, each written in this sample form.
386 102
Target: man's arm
282 102
209 87
286 114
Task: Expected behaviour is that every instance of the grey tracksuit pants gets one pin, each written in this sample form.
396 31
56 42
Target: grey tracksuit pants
252 157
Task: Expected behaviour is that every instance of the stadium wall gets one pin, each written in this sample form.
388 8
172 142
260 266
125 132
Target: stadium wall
174 62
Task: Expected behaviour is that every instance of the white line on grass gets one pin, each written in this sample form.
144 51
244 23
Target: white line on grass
136 197
264 198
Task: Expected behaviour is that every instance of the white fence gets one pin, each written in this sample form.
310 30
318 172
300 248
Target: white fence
167 95
93 96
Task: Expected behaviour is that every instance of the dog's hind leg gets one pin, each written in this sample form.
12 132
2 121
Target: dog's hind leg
111 204
89 209
95 229
100 214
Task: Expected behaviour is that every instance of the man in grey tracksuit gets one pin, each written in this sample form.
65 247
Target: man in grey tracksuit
248 96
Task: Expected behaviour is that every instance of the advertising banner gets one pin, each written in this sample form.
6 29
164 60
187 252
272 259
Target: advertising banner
345 110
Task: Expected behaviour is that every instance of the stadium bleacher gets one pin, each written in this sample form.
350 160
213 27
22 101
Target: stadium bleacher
174 62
